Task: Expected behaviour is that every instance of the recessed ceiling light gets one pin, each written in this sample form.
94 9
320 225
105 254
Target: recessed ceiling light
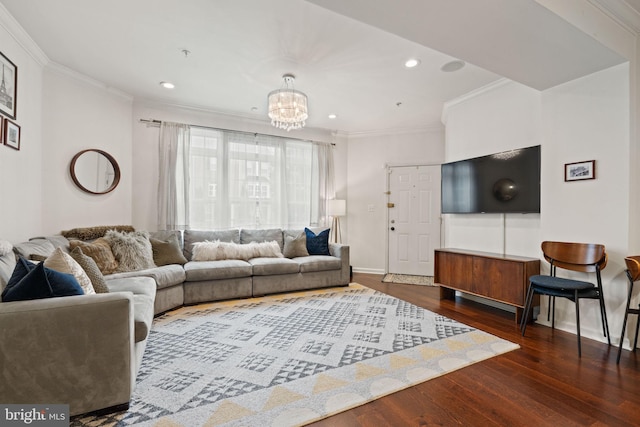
254 109
332 116
167 85
453 66
413 62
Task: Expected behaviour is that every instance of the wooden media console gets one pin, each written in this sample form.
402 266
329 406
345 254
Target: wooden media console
501 278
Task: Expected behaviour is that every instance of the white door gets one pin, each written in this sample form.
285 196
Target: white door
414 219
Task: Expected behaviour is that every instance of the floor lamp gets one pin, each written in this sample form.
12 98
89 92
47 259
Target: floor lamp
335 209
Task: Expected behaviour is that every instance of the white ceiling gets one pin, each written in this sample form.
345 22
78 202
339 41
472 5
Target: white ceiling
347 56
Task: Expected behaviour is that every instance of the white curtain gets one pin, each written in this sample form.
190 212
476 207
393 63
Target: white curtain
323 154
173 184
216 179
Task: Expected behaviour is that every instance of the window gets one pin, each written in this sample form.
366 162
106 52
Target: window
239 180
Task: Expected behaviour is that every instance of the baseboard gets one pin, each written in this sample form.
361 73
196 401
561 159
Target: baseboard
367 270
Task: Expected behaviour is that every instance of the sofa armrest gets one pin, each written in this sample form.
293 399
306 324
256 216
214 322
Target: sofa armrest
76 350
342 251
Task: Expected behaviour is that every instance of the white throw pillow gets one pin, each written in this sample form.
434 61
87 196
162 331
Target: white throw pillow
5 247
214 251
64 263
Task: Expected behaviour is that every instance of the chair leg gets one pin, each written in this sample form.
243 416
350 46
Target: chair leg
578 322
624 326
553 313
605 322
624 322
527 307
635 340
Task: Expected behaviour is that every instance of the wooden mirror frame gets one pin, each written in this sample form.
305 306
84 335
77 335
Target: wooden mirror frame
109 157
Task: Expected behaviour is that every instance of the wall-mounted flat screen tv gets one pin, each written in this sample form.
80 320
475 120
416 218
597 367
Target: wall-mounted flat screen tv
507 182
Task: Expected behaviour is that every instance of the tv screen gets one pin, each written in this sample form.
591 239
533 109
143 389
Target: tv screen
507 182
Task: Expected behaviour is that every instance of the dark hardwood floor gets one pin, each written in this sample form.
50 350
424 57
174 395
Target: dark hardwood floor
543 383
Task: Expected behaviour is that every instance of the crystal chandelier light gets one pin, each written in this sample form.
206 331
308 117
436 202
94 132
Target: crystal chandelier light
287 106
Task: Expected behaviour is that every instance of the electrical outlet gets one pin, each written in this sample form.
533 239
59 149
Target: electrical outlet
371 208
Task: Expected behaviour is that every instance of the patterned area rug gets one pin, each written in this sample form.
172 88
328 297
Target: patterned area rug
291 359
408 279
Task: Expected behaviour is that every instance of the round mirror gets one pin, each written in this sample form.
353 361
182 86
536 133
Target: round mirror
95 171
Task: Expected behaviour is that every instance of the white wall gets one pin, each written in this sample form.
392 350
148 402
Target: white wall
501 117
586 119
22 178
145 150
82 114
368 154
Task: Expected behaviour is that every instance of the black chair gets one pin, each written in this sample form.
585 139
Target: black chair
633 274
582 257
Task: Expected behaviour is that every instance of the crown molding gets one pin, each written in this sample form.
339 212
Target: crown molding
259 121
13 27
473 94
75 75
246 119
621 12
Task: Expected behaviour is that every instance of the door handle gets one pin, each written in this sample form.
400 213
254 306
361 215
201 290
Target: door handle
393 228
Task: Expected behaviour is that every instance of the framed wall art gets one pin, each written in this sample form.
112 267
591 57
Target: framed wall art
11 134
8 87
579 171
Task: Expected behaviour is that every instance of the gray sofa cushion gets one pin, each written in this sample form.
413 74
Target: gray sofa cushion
165 276
144 293
37 246
271 266
58 241
318 263
248 236
193 236
7 265
216 270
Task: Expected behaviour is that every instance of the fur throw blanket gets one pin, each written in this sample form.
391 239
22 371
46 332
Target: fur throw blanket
213 251
90 233
5 247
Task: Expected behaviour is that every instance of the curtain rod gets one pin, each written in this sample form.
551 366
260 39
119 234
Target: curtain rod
154 122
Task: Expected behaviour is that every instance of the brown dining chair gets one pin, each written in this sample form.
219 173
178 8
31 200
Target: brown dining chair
633 274
581 257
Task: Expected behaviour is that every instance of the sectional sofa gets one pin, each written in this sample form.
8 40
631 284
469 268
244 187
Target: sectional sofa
86 350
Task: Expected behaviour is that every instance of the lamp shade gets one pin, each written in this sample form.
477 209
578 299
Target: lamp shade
337 207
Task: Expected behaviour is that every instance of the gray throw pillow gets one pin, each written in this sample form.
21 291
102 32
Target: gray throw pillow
167 252
295 246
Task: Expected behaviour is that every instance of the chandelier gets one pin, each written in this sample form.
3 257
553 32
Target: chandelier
287 106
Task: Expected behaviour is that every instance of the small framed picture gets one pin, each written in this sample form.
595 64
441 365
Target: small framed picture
579 171
11 135
8 87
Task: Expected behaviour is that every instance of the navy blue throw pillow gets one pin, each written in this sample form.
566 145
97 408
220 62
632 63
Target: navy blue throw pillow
22 268
42 282
317 244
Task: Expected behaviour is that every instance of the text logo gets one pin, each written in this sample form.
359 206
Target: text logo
34 415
